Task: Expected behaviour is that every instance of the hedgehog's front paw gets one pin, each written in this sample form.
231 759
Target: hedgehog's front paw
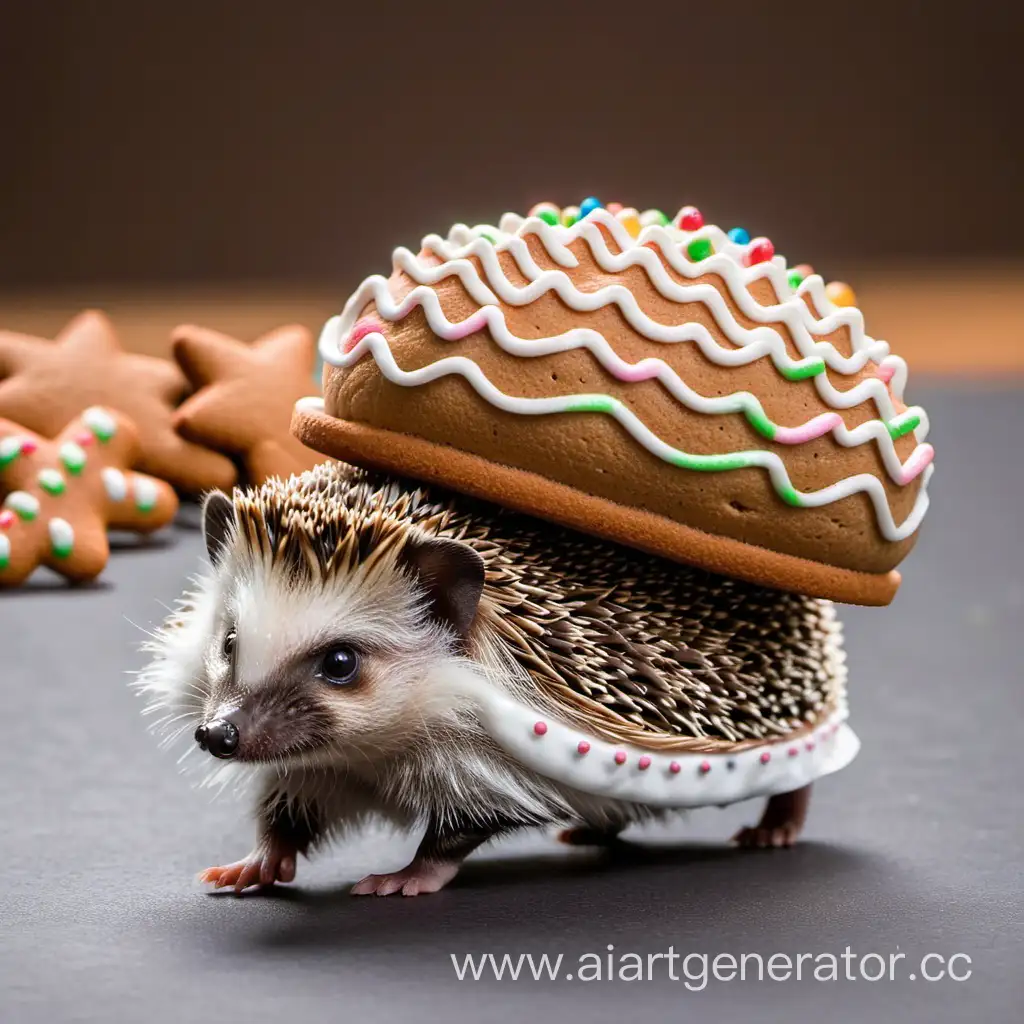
270 862
421 876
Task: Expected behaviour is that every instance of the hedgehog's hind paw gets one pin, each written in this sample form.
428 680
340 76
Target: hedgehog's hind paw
780 825
420 877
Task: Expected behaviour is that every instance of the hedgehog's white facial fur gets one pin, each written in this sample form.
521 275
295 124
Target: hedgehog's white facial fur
402 728
281 627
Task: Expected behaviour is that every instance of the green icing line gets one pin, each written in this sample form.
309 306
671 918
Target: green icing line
594 403
790 496
903 424
803 370
760 422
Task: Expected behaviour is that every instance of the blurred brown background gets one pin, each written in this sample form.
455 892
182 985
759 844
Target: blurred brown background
254 160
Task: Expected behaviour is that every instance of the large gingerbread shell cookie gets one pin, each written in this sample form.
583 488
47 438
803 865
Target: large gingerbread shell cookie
661 384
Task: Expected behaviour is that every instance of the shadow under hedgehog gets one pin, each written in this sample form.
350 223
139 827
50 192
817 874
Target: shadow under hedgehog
614 470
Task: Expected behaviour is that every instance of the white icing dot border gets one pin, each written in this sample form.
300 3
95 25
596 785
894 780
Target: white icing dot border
671 780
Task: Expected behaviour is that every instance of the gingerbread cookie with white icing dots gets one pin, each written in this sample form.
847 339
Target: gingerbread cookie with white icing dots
61 496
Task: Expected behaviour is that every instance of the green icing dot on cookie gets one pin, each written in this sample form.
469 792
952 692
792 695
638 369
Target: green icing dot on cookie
146 494
100 422
5 552
10 449
23 504
73 457
51 481
62 537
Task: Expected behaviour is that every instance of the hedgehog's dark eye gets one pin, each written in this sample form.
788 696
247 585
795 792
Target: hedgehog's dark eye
228 647
340 665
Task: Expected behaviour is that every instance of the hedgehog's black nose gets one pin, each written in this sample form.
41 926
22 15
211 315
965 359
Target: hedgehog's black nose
220 738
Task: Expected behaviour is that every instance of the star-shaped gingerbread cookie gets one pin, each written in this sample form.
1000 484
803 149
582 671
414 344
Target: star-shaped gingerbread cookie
244 396
44 384
60 496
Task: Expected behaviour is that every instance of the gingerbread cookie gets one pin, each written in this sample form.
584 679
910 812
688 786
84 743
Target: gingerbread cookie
245 394
62 495
49 383
661 383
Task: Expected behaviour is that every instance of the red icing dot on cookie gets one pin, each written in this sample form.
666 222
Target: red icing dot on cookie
583 747
675 767
765 757
540 728
793 751
28 446
644 763
84 438
705 767
6 519
620 757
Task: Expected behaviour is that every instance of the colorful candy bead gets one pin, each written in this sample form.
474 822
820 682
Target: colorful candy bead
644 763
741 236
795 278
620 757
548 212
689 218
589 205
540 728
653 218
570 214
630 220
804 270
840 294
614 208
761 250
675 767
583 747
700 249
704 767
765 757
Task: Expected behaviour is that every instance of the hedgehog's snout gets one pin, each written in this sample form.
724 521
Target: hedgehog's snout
219 737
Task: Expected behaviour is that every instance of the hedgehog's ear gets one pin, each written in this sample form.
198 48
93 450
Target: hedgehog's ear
452 573
218 523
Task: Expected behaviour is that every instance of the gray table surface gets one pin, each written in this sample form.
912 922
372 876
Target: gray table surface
916 847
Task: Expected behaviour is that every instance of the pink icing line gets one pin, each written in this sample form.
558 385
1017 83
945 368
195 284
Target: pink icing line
360 329
915 465
808 431
885 372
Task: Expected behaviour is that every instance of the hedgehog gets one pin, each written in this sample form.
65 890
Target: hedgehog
366 646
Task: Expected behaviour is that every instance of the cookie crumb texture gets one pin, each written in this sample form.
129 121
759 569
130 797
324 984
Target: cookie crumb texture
662 365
